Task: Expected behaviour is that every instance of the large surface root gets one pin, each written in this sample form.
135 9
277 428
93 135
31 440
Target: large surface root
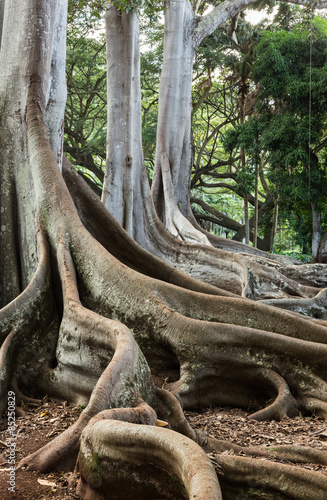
278 479
121 383
147 462
282 453
229 273
22 322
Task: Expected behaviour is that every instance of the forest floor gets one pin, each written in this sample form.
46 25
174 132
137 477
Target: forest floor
43 422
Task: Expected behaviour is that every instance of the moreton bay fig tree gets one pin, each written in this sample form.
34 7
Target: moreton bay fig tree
91 317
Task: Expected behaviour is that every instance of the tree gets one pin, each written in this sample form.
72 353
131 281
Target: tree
86 312
176 82
290 122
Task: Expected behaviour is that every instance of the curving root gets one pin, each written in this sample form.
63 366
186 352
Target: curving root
137 461
284 405
279 479
120 383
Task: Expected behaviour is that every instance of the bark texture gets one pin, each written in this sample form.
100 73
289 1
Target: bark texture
124 170
92 318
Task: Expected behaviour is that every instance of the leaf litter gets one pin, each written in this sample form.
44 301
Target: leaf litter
43 422
234 425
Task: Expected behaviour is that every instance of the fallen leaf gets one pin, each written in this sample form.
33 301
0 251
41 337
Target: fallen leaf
44 482
161 423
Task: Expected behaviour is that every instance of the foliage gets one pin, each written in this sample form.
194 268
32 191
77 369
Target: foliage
88 10
151 8
290 124
86 115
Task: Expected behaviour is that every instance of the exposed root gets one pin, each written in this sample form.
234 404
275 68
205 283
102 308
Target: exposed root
284 405
169 409
157 463
264 283
141 414
23 309
125 378
227 351
7 353
61 453
283 453
23 317
22 398
314 405
315 307
239 274
286 480
175 222
309 274
242 312
113 238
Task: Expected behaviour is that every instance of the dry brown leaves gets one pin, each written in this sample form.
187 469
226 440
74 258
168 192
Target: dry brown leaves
234 425
43 422
39 425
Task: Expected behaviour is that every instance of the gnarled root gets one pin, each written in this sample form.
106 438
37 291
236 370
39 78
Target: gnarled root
283 453
24 319
284 405
137 461
169 408
315 307
271 477
315 405
126 376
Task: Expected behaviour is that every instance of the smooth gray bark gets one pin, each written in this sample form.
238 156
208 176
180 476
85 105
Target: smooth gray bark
125 164
57 91
322 255
316 231
2 6
17 185
274 228
173 164
174 115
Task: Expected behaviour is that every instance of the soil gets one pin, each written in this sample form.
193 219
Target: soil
40 424
43 421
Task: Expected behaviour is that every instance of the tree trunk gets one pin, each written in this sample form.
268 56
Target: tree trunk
126 191
125 165
256 206
274 228
19 260
2 5
316 231
173 164
246 219
322 256
245 197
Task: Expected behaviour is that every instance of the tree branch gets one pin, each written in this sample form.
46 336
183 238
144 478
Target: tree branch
227 10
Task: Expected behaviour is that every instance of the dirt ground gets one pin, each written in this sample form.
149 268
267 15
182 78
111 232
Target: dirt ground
42 422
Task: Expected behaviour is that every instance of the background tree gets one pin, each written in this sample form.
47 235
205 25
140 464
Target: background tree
290 124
